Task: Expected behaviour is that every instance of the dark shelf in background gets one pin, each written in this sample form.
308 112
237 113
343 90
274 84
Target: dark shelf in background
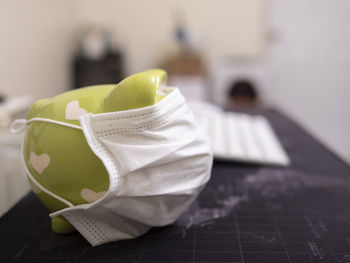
107 70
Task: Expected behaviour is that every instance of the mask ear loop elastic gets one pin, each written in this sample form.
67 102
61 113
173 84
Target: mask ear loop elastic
19 126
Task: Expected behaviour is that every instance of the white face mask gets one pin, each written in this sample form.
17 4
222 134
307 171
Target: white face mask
158 160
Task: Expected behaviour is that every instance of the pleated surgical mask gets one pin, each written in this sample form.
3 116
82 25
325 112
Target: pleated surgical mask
157 158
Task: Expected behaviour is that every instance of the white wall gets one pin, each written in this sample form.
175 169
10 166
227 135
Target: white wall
38 36
308 66
36 42
36 46
305 70
144 28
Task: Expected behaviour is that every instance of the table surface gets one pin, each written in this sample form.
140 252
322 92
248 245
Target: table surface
245 214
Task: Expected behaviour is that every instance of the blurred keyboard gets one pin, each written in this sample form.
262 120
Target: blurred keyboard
240 137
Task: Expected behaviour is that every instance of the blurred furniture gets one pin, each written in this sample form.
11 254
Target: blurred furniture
13 181
105 70
225 72
246 213
187 72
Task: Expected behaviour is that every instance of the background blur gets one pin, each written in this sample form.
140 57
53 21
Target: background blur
297 53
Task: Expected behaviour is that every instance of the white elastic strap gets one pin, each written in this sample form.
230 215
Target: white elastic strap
19 125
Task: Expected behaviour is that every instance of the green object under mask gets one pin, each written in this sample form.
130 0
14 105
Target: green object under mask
58 157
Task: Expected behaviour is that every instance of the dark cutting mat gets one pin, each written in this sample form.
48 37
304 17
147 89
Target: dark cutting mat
245 214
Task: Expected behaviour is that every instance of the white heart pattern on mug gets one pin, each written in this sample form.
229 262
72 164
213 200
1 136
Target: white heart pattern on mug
39 162
90 195
73 111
